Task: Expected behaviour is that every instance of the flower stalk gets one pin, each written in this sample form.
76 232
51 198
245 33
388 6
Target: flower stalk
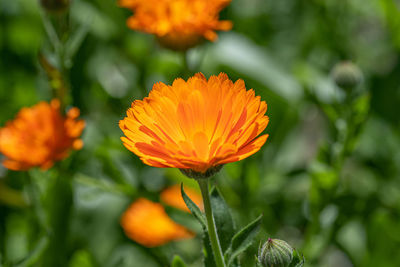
212 230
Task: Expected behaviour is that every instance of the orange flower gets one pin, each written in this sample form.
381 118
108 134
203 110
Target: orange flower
40 135
172 197
179 24
196 125
148 224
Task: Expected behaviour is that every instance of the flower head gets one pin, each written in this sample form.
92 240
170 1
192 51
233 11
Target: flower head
148 224
39 136
196 125
179 24
172 197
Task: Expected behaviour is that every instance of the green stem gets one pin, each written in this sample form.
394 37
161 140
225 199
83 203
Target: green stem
212 230
56 31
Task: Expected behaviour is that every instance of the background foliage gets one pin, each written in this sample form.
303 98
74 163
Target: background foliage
338 208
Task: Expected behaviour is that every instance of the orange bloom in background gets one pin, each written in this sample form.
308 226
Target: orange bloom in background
39 136
148 224
172 197
196 125
179 24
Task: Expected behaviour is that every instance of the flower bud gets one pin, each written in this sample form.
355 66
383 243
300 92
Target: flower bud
55 5
275 253
346 75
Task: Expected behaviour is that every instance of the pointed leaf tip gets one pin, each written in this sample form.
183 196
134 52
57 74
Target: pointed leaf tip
243 239
177 262
194 209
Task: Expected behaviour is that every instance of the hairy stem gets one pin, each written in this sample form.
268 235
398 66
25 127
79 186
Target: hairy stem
212 231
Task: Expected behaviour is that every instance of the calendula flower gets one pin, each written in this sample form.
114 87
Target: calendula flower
196 125
148 224
172 197
179 24
39 136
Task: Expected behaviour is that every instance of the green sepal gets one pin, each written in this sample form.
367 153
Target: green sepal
242 240
178 262
298 259
223 219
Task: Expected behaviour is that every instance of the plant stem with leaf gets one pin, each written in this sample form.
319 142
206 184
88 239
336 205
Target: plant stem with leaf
212 230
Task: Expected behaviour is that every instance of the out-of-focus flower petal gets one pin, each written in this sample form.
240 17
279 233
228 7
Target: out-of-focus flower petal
148 224
39 136
172 197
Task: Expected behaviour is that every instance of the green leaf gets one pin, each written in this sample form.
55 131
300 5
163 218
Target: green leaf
76 40
243 239
178 262
34 256
298 259
361 108
129 255
81 258
55 206
223 219
193 208
17 232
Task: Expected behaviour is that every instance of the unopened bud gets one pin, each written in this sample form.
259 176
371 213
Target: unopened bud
275 253
55 5
346 75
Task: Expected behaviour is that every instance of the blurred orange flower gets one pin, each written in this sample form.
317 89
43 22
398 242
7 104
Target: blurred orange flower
179 24
196 125
172 197
148 224
39 136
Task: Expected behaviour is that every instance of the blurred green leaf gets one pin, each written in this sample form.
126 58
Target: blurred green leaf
57 203
177 262
75 41
129 255
104 185
11 197
35 255
17 237
81 258
352 236
392 14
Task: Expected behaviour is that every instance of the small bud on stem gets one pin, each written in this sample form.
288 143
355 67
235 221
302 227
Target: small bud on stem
346 75
275 253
